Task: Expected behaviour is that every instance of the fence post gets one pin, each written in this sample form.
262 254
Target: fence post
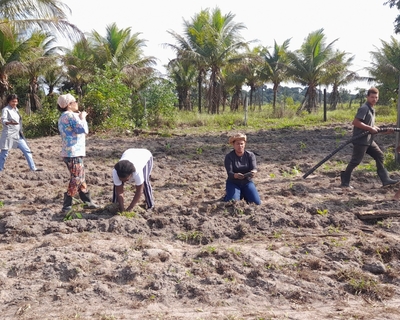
325 104
245 110
398 126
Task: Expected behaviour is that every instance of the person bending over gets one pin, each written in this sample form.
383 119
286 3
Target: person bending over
135 167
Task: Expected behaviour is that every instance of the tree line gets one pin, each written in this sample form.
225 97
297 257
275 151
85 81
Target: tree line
214 68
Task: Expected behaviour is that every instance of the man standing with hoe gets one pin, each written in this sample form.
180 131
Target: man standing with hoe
365 121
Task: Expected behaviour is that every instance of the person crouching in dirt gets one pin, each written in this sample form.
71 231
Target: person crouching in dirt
365 121
73 128
241 167
12 135
134 166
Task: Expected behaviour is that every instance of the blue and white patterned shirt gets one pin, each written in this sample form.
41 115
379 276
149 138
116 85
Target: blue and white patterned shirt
73 132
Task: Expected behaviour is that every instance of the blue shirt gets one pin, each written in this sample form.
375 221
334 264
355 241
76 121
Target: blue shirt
73 132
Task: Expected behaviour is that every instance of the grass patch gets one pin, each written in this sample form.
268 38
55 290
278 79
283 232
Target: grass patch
191 237
71 214
359 283
128 214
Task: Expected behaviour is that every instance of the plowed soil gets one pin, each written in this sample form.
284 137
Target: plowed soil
311 250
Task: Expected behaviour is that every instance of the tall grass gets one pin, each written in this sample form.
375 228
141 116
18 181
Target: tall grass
44 122
263 118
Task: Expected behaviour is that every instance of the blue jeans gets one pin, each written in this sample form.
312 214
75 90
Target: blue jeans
23 146
247 192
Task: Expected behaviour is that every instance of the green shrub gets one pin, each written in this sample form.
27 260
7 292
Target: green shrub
160 101
106 97
41 123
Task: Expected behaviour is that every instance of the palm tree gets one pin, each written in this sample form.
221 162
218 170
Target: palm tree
191 47
45 15
119 48
252 68
211 41
223 42
385 68
79 65
52 77
234 79
308 66
275 67
41 52
183 74
10 51
123 51
338 74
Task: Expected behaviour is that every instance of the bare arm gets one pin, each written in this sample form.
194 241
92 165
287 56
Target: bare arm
120 196
361 125
136 197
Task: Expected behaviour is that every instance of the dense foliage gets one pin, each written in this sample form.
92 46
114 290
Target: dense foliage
214 70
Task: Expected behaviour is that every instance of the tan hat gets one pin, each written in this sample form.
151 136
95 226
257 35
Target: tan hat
238 136
65 99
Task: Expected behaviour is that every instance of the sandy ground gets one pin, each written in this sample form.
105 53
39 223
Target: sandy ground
307 252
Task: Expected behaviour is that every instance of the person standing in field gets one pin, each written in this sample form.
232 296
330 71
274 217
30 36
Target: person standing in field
12 135
365 121
73 129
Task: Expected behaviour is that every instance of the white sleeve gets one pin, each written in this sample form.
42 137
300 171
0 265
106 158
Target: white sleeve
117 182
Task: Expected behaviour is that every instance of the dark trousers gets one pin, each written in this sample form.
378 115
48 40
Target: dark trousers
358 154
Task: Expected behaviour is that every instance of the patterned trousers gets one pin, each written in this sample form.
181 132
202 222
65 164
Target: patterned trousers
77 180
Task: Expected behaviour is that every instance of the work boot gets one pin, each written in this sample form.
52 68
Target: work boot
67 205
85 197
345 179
385 178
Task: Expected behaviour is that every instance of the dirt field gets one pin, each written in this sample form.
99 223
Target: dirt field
307 252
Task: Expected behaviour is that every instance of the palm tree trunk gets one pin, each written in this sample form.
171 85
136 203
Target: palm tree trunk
275 93
199 83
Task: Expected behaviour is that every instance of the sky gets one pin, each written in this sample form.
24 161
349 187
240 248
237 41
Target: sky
358 26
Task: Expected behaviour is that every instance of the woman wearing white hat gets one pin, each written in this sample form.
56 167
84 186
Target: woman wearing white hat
73 128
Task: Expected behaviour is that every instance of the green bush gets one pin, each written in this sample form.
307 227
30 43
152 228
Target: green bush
41 123
160 101
106 97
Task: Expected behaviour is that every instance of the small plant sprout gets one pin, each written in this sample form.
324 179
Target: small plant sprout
199 150
71 214
128 214
340 131
295 171
302 146
235 251
210 250
191 236
322 212
277 234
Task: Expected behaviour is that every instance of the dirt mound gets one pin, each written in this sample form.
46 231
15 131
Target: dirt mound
311 250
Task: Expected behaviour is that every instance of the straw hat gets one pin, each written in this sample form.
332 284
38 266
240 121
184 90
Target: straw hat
238 136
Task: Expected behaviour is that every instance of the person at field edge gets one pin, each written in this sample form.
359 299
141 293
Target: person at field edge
12 135
135 166
73 128
365 121
241 167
